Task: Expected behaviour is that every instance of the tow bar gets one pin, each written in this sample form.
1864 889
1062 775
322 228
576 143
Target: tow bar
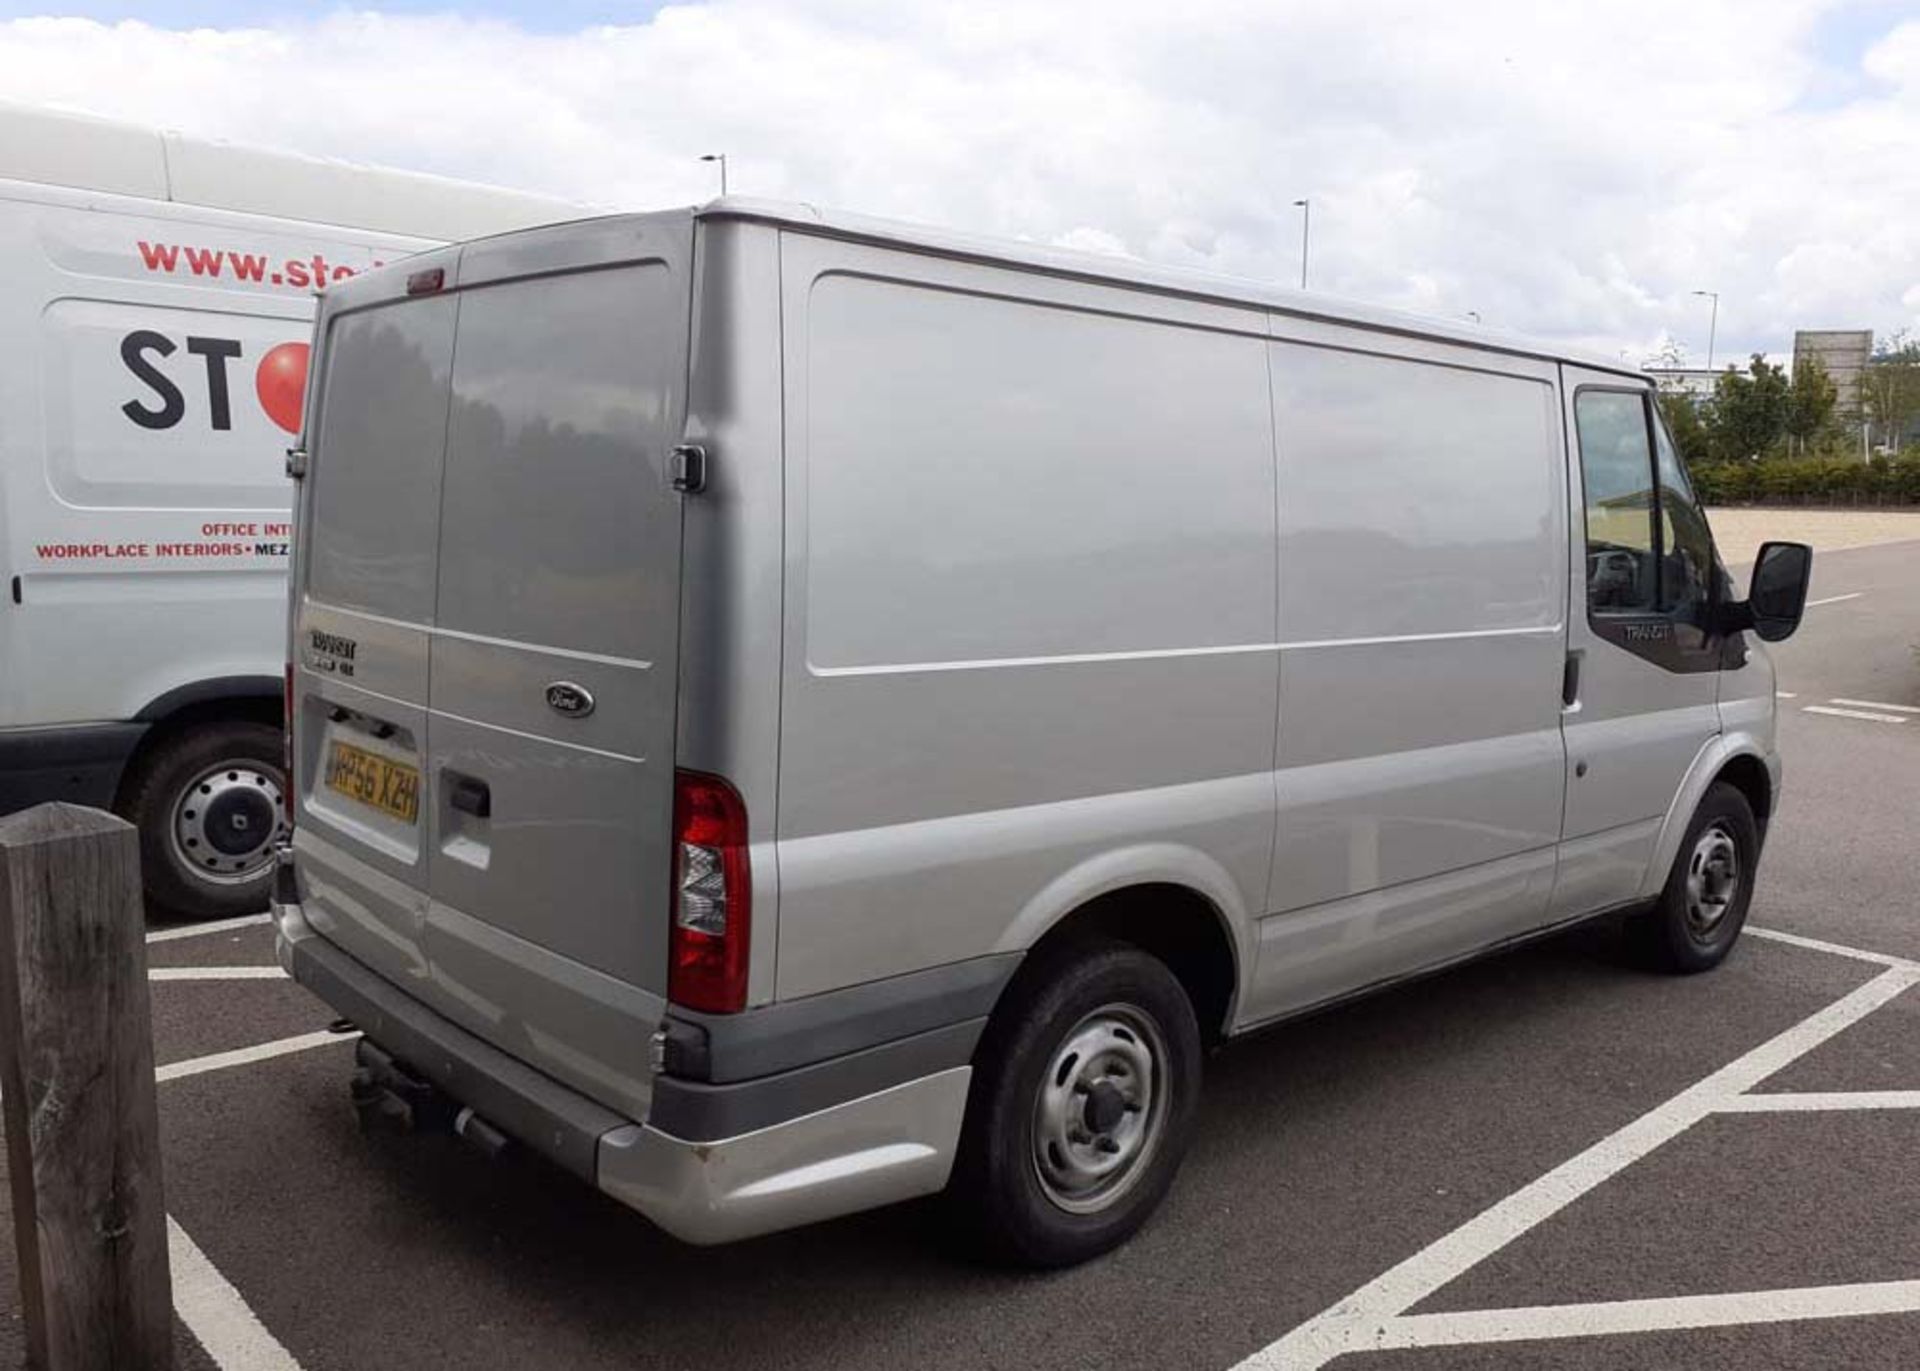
390 1098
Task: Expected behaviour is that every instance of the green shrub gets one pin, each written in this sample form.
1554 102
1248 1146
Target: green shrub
1829 478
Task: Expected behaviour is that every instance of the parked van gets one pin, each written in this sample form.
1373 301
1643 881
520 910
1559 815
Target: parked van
793 712
156 298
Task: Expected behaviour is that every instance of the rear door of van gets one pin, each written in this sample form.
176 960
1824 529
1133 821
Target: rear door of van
486 636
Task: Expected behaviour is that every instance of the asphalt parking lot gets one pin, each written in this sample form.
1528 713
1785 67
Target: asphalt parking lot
1549 1159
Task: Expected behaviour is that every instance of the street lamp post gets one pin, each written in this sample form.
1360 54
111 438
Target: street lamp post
1306 232
721 158
1713 322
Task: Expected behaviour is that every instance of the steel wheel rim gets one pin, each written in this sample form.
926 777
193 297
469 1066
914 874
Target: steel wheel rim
227 820
1101 1108
1713 879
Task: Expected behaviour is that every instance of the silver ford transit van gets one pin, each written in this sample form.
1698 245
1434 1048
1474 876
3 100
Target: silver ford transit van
790 713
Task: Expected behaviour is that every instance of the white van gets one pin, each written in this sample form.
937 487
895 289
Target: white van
156 298
793 712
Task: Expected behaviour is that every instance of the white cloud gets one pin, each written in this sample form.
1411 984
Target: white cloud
1571 170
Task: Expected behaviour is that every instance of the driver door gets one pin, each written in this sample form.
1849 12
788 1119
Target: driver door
1642 673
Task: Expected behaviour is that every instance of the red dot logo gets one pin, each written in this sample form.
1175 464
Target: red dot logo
281 384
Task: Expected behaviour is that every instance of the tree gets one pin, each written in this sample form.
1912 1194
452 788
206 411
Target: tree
1810 400
1890 387
1688 427
1750 411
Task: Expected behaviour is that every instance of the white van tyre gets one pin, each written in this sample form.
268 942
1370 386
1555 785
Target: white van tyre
1084 1092
1703 907
208 803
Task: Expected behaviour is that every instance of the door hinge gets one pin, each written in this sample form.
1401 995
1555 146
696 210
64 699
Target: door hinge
297 463
689 468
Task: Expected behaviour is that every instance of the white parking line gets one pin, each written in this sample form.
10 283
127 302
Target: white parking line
1835 599
1784 695
1650 1316
1858 954
1878 704
1788 1102
1854 714
259 1052
208 1305
215 973
1374 1316
167 935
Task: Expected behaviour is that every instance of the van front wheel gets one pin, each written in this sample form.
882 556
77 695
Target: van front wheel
1084 1092
1704 903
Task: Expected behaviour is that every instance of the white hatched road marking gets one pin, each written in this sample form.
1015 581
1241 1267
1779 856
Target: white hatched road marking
215 1312
1649 1316
1858 954
1854 714
1375 1317
1784 695
1788 1102
1877 704
167 935
215 973
259 1052
1836 599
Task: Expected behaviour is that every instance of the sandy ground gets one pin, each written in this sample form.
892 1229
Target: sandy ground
1738 533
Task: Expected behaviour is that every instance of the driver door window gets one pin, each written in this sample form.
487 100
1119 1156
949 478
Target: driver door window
1623 544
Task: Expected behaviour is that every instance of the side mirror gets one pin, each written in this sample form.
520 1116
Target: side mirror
1777 595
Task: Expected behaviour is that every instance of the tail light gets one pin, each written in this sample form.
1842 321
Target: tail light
712 896
286 748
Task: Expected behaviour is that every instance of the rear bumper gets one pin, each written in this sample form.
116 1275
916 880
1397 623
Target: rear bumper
78 763
891 1143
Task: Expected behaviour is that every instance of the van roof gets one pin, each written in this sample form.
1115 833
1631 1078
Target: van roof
82 152
1130 271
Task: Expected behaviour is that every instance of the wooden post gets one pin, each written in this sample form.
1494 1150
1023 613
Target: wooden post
76 1071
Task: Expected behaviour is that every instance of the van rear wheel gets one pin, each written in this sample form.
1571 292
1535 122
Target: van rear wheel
1703 906
208 804
1084 1092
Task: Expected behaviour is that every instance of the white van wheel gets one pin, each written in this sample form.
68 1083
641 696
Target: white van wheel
208 802
225 821
1084 1092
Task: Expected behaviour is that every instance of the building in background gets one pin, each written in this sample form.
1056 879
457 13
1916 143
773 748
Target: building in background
1844 353
1695 381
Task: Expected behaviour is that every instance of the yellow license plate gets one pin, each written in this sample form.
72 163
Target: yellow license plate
391 787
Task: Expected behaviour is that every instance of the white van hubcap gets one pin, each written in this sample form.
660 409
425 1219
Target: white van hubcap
1098 1114
226 821
1713 878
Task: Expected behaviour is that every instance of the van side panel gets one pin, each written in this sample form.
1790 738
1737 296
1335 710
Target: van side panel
1422 630
145 506
1030 605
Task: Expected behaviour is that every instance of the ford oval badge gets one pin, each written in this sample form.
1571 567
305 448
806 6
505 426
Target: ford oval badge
574 701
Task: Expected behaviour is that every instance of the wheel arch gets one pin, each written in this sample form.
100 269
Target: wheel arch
1173 902
1746 773
235 696
1737 758
219 699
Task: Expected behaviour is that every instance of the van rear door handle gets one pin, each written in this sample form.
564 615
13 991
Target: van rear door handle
1570 682
470 796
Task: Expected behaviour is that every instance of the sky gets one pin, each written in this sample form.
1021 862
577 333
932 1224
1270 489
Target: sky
1572 170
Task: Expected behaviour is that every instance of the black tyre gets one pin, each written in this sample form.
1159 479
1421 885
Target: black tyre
1701 910
1084 1090
207 802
